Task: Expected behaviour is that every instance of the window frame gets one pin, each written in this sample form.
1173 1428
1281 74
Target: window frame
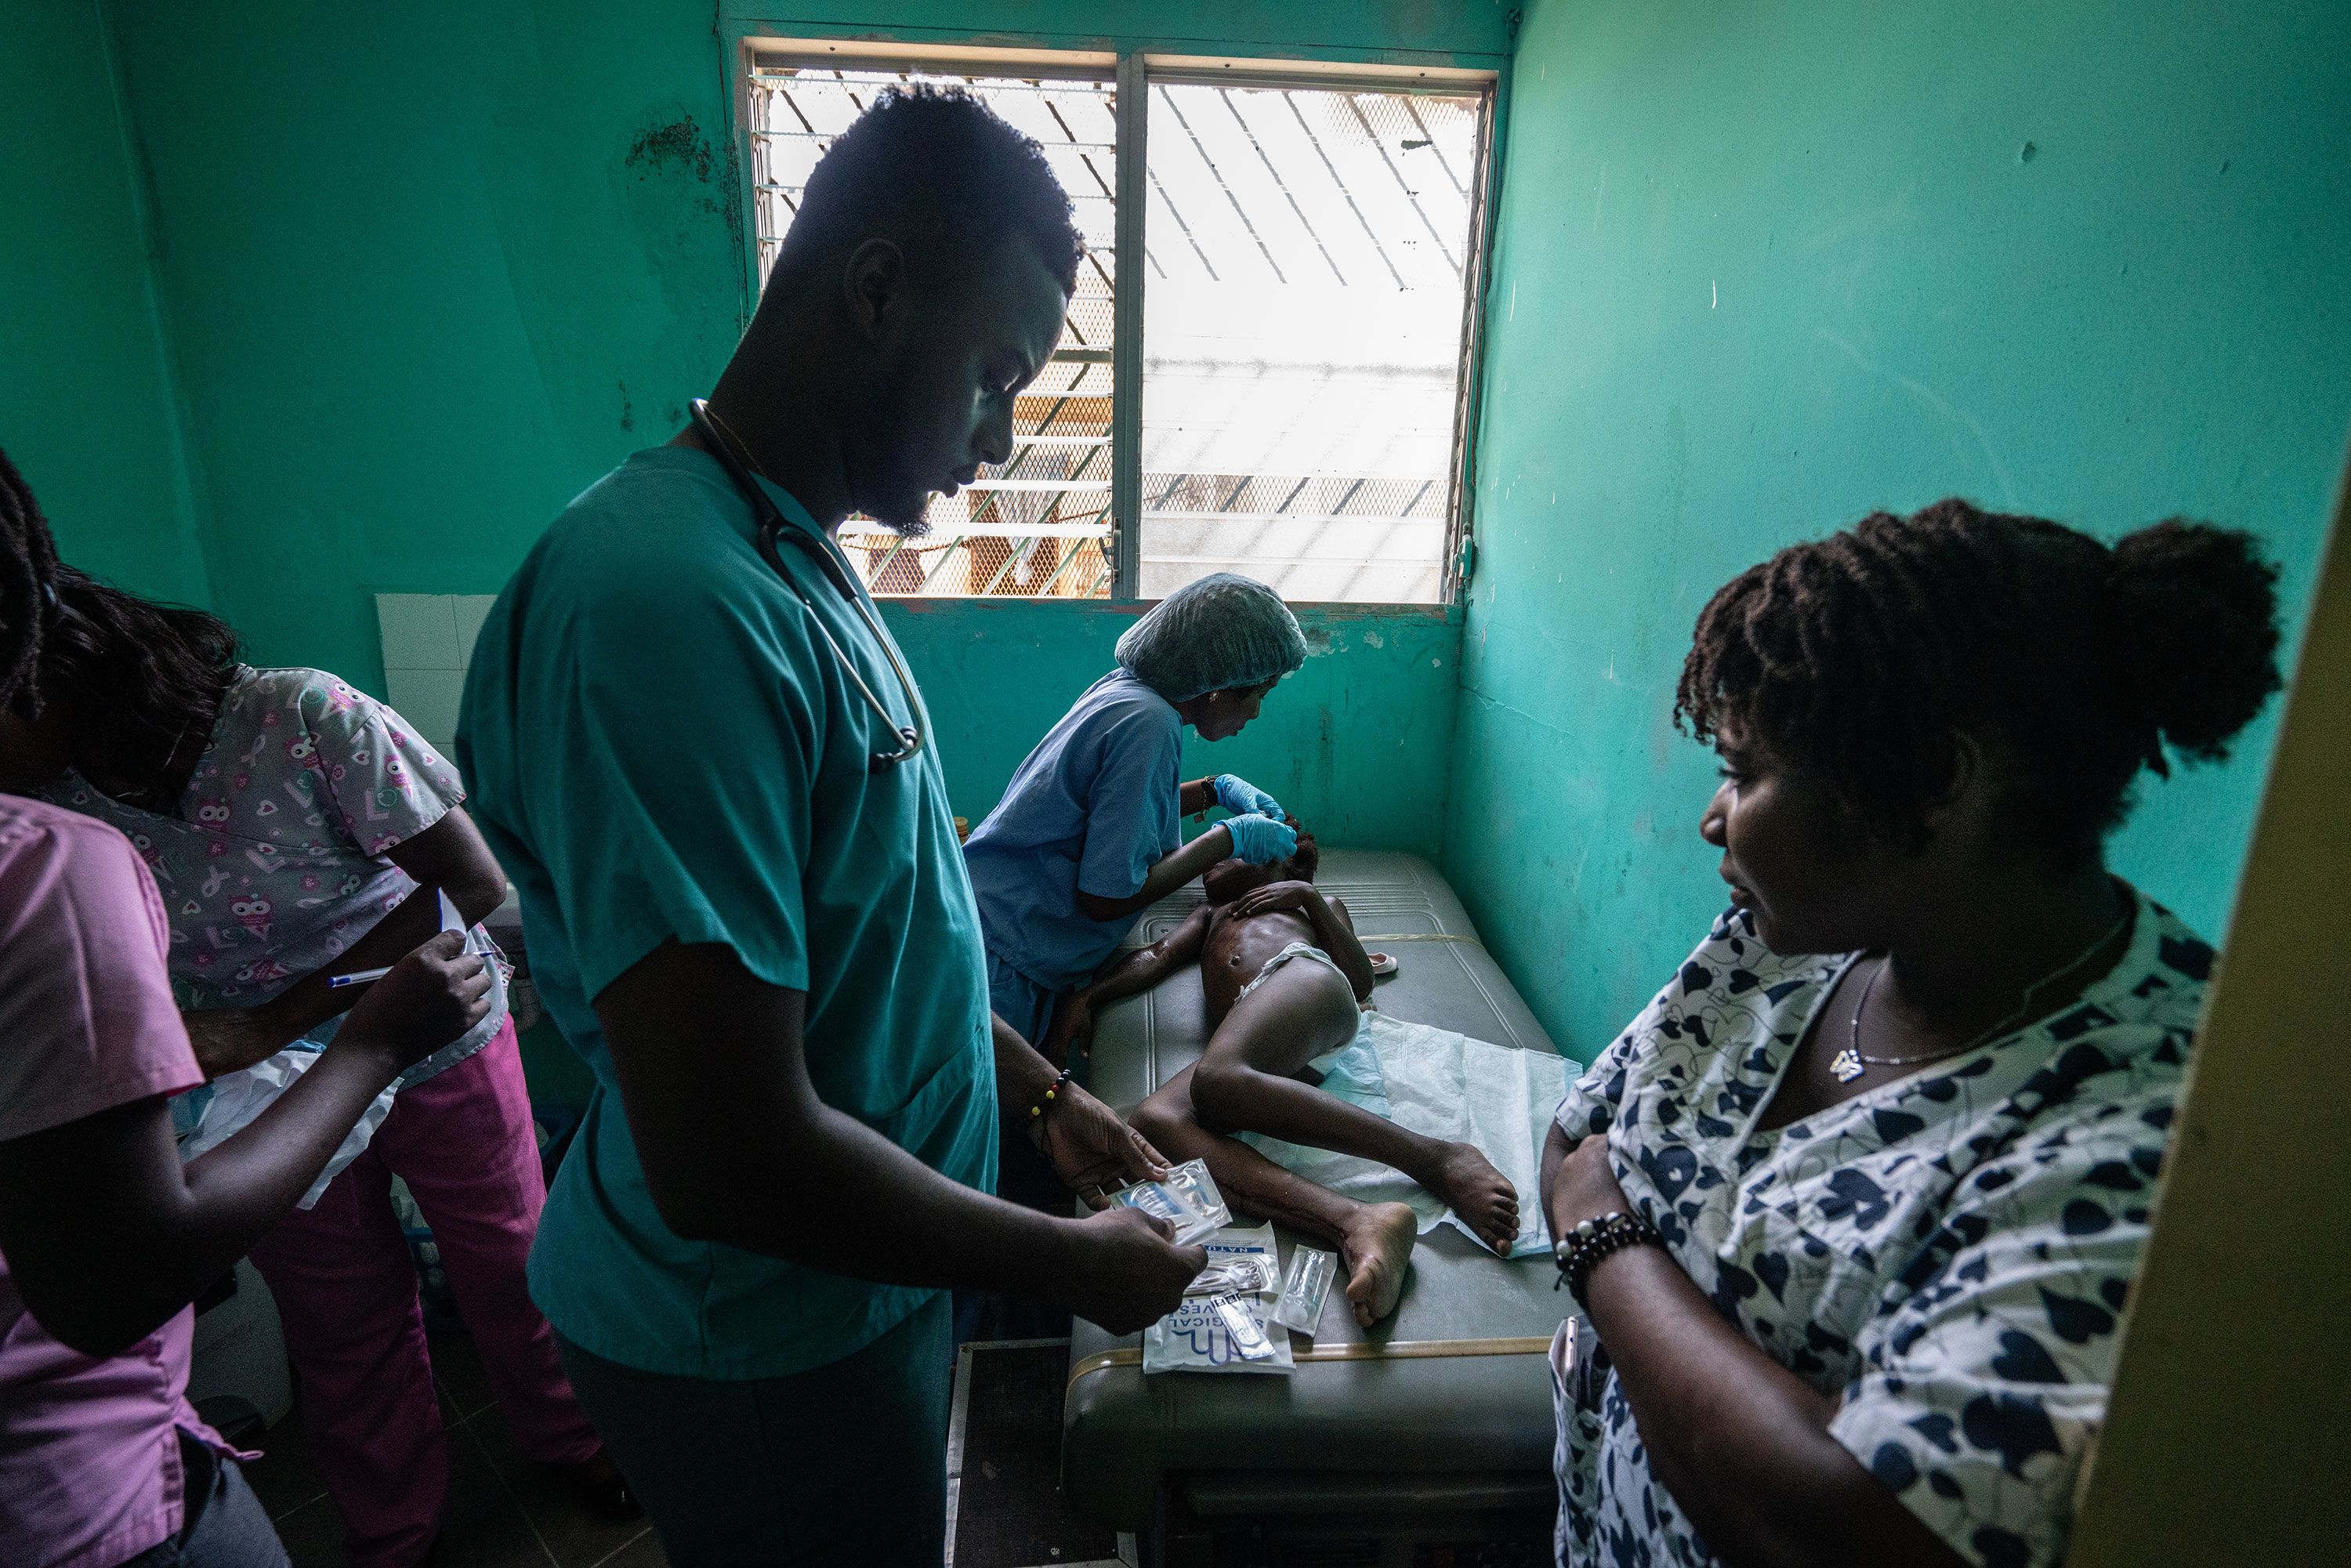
1132 73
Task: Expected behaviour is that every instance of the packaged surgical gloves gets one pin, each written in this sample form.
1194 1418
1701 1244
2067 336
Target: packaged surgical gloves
1187 1199
1228 1330
1304 1293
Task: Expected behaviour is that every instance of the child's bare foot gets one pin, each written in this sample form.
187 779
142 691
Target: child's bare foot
1376 1249
1481 1196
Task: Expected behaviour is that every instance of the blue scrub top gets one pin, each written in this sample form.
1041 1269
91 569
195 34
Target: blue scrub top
1094 808
661 746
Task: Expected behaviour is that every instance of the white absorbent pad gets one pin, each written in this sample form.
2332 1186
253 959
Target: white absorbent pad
1444 1085
226 1106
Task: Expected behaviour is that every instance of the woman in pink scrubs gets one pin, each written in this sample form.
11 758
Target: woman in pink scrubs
299 830
105 1237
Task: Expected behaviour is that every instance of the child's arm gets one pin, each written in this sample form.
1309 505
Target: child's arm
1337 932
1131 974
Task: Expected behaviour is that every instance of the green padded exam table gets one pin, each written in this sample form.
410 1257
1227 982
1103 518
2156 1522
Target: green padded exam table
1433 1427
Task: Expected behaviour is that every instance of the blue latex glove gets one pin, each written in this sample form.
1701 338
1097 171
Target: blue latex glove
1237 795
1261 840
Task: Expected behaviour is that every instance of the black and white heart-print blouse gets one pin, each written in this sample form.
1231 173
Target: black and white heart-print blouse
1947 1255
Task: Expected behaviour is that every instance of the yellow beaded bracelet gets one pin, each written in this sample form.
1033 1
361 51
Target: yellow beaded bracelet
1053 1093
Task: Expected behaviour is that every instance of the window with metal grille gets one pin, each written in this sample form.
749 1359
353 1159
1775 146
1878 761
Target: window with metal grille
1040 525
1293 403
1309 251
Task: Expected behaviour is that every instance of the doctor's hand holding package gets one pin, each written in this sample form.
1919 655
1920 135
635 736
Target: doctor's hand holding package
1092 1147
1126 1277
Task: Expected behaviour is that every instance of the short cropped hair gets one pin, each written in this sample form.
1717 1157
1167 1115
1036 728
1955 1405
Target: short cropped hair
942 175
1307 858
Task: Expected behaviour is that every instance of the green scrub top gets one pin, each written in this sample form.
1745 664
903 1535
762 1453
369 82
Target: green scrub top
660 745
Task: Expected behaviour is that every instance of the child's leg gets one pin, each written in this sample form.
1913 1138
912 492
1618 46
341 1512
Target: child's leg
1375 1239
1246 1080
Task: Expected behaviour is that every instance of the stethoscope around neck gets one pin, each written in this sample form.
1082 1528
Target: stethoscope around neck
775 528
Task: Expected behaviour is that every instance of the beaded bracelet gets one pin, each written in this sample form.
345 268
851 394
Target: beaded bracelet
1052 1091
1594 1238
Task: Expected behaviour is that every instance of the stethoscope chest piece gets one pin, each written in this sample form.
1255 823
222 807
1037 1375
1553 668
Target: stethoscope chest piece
909 743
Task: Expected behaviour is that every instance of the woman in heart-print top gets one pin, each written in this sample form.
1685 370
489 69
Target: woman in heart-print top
1884 1152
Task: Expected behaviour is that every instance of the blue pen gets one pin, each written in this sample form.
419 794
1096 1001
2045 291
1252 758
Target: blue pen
450 921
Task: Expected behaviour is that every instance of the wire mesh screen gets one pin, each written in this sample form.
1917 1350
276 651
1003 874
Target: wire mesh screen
1308 251
1039 526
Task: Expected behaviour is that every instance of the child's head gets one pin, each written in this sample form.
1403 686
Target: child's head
1228 879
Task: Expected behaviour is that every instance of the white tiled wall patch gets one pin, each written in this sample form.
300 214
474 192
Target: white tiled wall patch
428 643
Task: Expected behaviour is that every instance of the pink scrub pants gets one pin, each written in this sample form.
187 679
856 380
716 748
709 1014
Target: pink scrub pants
347 1292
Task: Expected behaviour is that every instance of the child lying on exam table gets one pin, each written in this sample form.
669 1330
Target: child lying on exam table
1289 1088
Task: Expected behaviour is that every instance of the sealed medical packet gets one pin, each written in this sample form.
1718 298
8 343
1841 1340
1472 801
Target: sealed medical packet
1302 1294
1244 1276
1200 1335
1160 1202
1238 1316
1187 1200
1191 1179
1165 1202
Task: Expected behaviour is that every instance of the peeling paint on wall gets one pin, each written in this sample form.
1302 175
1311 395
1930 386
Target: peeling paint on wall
678 145
422 305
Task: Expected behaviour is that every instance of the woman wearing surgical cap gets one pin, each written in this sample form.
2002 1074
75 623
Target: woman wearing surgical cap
1088 834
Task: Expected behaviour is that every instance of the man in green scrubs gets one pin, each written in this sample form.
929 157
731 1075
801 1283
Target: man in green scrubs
765 944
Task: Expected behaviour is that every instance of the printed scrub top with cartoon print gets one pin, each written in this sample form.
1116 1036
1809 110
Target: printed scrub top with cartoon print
1946 1256
275 862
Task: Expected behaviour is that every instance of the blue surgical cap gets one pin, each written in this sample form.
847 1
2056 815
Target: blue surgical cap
1212 636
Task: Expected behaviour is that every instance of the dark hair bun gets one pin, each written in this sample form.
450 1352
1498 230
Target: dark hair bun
1861 654
2192 625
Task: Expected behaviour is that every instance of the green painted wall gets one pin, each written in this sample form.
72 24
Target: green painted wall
1419 31
85 405
1763 269
428 280
1759 271
422 288
1355 745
